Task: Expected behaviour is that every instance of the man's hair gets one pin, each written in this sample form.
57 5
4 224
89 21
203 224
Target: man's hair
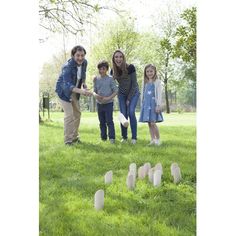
103 64
77 48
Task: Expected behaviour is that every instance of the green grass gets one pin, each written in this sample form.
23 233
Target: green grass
70 176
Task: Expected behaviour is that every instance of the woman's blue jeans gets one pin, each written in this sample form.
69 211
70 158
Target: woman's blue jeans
129 111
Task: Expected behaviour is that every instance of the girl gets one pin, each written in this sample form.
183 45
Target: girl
128 92
151 102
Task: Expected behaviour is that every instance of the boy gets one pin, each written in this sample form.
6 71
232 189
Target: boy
105 89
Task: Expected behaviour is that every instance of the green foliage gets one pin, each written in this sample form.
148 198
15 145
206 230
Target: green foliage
49 74
166 45
147 49
179 42
139 48
186 92
169 50
185 47
116 35
69 178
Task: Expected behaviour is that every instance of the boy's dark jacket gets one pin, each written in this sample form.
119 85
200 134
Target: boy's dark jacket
68 78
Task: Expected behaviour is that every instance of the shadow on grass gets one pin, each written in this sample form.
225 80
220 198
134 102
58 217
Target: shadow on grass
52 125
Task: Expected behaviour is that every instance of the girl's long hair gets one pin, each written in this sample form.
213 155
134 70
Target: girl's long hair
118 71
155 75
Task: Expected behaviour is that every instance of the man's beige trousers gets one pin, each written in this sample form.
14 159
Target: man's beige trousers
72 116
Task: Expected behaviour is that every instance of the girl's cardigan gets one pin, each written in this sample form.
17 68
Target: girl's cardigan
158 91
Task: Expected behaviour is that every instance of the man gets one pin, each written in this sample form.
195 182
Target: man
70 84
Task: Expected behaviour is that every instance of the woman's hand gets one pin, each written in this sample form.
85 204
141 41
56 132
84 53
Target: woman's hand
158 109
127 103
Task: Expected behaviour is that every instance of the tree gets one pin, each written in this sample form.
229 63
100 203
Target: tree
147 50
167 50
49 75
118 34
176 30
185 47
167 24
69 15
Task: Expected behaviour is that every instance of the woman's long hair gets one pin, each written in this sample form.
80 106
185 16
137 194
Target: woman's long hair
145 75
118 71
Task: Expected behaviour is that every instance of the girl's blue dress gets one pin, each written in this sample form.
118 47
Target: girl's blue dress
148 113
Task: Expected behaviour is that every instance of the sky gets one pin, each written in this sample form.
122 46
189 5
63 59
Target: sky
142 10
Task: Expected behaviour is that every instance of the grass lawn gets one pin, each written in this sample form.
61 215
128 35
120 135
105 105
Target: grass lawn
70 176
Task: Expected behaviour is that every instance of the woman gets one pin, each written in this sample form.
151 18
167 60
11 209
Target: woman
128 92
70 84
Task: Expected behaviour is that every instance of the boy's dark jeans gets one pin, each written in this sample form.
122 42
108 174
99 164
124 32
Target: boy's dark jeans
105 116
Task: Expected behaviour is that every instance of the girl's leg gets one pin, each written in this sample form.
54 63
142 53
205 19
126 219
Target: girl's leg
156 131
153 129
150 130
155 134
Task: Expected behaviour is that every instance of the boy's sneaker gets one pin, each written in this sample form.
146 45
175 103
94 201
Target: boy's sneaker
112 141
157 142
133 141
124 140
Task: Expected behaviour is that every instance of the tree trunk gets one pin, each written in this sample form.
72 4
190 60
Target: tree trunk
40 119
166 95
165 83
